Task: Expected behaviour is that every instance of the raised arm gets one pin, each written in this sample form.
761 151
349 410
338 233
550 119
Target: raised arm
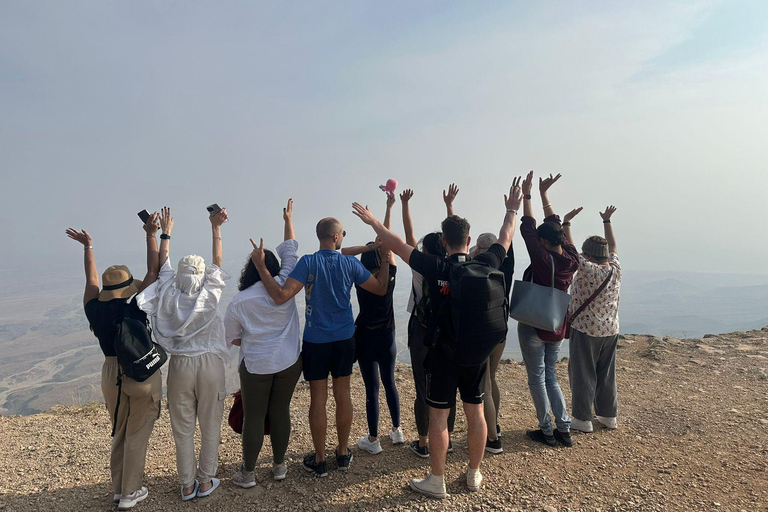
527 186
166 226
448 198
544 185
405 198
356 250
279 294
388 213
288 233
512 202
567 224
608 228
153 256
89 261
216 222
390 240
378 284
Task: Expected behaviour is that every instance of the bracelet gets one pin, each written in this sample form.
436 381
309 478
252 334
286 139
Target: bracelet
527 196
88 247
547 205
607 221
165 237
217 237
511 210
150 237
566 224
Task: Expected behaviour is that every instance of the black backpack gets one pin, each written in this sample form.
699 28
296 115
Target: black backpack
138 356
476 316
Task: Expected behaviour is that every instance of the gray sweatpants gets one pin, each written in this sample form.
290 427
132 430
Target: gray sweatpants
592 372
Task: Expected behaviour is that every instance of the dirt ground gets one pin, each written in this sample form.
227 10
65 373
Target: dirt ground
693 435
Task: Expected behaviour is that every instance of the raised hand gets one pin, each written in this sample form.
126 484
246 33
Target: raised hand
515 197
406 195
609 210
545 183
391 200
257 256
288 210
153 224
363 213
448 197
376 244
79 236
220 218
527 184
166 221
571 214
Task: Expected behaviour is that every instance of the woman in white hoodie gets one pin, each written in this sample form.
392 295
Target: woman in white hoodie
183 307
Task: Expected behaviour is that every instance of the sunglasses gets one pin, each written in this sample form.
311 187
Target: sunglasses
343 233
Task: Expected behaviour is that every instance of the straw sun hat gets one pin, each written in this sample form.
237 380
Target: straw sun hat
118 283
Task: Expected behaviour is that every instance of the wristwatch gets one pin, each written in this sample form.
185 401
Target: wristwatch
165 237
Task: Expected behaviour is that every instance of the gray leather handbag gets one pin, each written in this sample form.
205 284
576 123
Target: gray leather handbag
542 307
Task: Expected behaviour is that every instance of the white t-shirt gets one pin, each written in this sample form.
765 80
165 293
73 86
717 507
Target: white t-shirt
417 290
270 338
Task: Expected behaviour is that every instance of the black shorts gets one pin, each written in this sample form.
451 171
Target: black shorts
320 359
443 377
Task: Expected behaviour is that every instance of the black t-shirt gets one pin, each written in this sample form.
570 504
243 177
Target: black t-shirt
508 268
435 270
102 316
376 311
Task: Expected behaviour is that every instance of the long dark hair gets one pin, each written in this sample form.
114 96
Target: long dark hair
371 260
433 243
250 276
552 232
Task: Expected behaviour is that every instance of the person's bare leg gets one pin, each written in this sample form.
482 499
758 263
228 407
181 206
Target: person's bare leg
318 417
343 400
476 433
438 439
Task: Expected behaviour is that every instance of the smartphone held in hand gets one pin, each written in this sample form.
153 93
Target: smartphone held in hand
144 216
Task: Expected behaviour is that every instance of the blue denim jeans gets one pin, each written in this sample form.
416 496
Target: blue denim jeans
540 358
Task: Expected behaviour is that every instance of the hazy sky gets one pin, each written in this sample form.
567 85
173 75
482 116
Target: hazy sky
110 107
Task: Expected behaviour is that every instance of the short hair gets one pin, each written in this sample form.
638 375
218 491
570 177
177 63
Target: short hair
250 275
455 231
552 232
327 227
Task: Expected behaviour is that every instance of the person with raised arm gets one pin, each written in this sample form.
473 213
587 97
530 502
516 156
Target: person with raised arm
139 401
449 197
269 338
444 374
594 314
547 247
329 331
183 307
375 342
420 323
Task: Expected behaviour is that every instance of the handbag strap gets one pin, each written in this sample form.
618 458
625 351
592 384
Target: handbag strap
593 296
552 275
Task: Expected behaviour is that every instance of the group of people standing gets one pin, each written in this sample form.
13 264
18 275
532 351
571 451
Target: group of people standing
182 306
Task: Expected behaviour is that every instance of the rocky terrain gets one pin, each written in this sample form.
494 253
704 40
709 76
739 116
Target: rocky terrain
693 435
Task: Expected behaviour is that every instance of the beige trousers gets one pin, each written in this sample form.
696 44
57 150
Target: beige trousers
196 392
492 393
139 408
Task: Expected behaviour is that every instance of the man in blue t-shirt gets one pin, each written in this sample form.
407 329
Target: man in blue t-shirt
327 278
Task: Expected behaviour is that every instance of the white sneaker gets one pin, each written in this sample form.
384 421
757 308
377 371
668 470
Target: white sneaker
397 436
279 471
581 425
474 478
365 443
128 501
116 498
432 486
610 423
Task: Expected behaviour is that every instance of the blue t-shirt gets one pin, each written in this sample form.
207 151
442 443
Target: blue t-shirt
328 277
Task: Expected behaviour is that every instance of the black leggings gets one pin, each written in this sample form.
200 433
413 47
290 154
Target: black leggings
376 353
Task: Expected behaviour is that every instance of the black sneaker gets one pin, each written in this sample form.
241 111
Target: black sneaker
421 451
450 446
541 437
493 446
320 469
498 431
564 437
343 461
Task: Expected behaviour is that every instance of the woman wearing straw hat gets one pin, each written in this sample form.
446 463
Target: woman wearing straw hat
139 401
183 306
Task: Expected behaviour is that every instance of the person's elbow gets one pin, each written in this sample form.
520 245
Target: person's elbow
380 290
280 299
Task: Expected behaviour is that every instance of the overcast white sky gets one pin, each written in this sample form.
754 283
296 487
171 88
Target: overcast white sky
110 107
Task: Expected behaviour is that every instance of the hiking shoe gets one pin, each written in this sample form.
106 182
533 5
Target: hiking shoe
343 461
214 485
609 423
450 446
541 437
432 486
474 479
397 436
581 425
373 447
493 446
498 431
116 498
128 501
193 494
244 479
421 451
564 437
320 469
279 471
